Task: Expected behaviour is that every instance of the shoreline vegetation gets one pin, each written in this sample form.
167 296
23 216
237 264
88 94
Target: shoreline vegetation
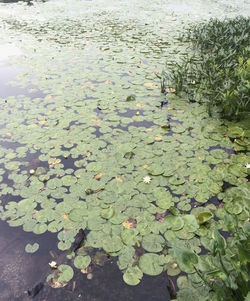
217 69
217 72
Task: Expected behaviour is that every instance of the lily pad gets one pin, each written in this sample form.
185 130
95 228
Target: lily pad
151 264
31 248
61 276
82 262
153 242
112 244
132 275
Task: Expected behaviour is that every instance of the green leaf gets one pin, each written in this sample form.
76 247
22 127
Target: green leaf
153 242
107 213
182 282
82 262
219 243
151 264
233 208
31 248
126 257
191 224
112 244
66 273
188 294
129 236
204 217
185 258
132 275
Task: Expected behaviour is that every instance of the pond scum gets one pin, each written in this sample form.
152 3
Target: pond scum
152 185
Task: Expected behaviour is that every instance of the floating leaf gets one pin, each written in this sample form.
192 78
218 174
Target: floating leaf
132 275
188 294
131 98
153 242
112 244
82 262
151 264
29 248
61 276
191 224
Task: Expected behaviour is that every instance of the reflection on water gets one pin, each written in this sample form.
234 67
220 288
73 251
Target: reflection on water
8 50
8 74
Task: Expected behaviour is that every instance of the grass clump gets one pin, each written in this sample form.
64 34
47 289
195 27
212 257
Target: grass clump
217 70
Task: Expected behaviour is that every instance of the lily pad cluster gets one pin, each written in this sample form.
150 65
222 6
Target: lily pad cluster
77 157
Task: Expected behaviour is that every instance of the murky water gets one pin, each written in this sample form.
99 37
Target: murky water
96 53
20 272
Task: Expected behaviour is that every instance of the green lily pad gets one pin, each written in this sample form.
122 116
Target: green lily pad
164 203
129 236
131 98
31 248
176 180
68 180
107 213
82 262
126 257
177 223
153 242
112 244
151 264
233 208
61 276
191 223
156 170
132 275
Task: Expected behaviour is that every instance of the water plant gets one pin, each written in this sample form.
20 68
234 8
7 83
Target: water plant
223 272
94 159
217 68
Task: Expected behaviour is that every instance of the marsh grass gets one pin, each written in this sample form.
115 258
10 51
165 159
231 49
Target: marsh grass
217 69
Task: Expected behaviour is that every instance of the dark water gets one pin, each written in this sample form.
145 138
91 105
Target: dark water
20 272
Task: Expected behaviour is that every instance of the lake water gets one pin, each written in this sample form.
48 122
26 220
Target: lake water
66 71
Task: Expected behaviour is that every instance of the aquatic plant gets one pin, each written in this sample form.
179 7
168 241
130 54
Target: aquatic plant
224 270
217 69
97 162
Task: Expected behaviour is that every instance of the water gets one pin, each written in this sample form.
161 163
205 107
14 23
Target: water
69 58
21 272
